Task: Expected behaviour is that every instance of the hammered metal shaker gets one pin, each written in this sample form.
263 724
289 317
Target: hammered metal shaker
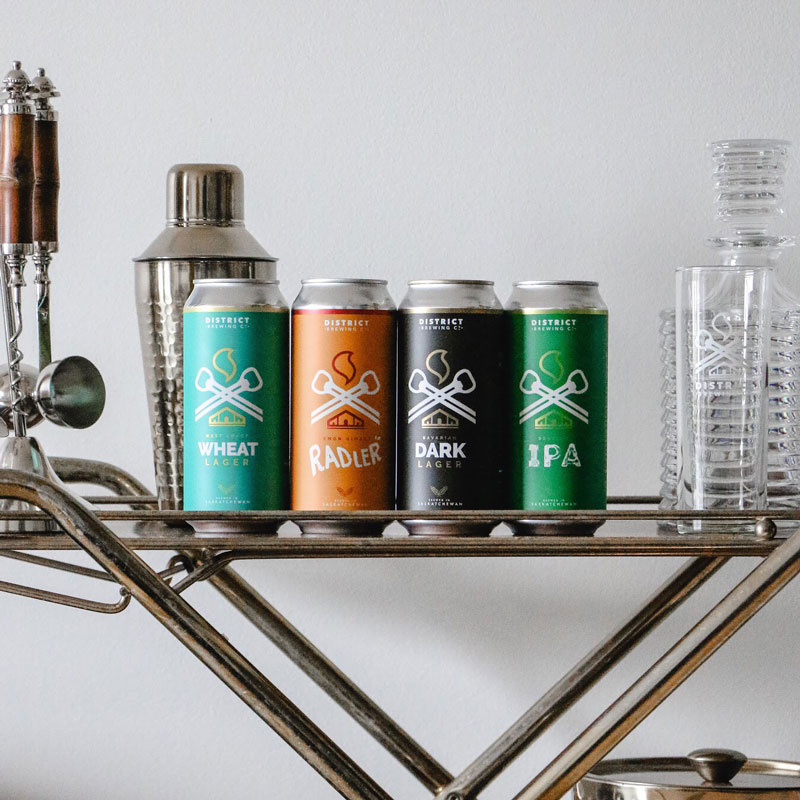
204 237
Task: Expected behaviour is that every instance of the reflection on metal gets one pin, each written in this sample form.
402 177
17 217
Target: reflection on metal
176 565
98 473
207 558
62 566
153 536
135 500
489 517
66 599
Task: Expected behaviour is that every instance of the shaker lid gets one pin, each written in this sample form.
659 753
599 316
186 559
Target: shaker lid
702 775
205 194
205 217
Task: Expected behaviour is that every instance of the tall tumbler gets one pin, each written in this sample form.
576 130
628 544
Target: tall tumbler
723 335
205 237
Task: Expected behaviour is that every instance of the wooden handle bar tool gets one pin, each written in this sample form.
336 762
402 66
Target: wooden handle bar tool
45 202
16 219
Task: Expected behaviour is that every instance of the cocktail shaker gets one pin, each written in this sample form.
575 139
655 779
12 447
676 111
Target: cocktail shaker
204 237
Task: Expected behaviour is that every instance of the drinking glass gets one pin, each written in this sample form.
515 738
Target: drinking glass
723 318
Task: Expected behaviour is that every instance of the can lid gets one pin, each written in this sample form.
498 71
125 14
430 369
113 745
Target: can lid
237 281
343 281
531 284
702 775
450 282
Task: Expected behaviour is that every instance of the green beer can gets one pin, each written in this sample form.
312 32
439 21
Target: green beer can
235 401
558 356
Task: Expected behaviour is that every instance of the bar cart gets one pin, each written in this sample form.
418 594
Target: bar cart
38 513
114 529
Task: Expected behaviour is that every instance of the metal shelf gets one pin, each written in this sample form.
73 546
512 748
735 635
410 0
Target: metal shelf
627 532
253 546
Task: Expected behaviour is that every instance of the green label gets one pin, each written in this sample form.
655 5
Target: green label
559 397
235 409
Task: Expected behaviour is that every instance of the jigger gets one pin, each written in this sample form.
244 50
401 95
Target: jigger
69 392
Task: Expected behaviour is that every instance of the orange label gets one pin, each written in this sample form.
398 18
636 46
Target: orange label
343 426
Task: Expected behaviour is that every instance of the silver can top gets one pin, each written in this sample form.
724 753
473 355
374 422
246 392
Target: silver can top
432 294
235 293
555 295
205 194
449 282
702 775
343 294
344 282
205 217
532 284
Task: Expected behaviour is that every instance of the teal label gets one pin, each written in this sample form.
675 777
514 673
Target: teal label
559 398
235 409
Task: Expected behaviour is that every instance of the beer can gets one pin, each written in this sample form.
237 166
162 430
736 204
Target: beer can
451 399
343 400
558 370
236 400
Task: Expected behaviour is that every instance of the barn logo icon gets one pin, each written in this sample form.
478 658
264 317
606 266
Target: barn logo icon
346 420
226 417
440 419
554 418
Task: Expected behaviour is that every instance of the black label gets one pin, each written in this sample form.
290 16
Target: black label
451 410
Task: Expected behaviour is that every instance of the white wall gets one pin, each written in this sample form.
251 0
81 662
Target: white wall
405 139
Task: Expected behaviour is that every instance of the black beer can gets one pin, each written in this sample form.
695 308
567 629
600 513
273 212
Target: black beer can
451 402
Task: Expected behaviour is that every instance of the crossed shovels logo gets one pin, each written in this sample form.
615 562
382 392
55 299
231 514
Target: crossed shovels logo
719 345
324 384
230 394
558 397
463 383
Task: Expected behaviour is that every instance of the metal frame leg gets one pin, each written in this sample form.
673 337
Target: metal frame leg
669 672
286 637
328 677
585 674
189 627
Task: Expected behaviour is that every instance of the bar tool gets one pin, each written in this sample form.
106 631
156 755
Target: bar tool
204 237
45 202
69 392
16 220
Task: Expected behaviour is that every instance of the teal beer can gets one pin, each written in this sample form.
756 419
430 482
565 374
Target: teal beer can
236 400
558 356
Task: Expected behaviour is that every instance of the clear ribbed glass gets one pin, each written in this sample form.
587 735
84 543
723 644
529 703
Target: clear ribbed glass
748 180
723 345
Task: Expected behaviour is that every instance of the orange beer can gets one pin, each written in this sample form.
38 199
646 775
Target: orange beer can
343 402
